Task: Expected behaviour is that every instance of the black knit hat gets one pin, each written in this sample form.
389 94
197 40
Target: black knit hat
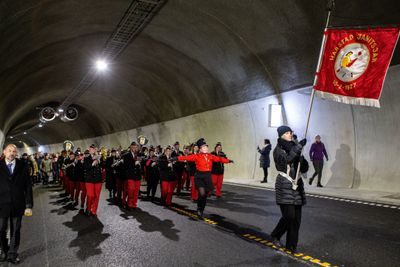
133 143
201 142
283 129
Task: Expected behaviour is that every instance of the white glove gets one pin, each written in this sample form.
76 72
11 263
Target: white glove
28 212
153 164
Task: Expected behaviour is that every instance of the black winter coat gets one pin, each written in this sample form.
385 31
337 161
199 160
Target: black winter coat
218 167
15 190
132 170
152 172
178 166
284 193
70 170
91 173
264 158
167 172
78 171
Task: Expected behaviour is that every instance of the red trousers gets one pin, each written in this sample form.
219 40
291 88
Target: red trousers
195 195
82 190
217 180
93 196
167 191
132 192
120 188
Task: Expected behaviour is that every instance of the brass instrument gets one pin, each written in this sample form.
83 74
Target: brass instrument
142 140
103 152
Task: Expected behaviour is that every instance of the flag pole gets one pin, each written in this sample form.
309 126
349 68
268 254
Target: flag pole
330 8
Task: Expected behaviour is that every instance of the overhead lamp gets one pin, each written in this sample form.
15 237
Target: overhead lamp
60 110
11 137
47 114
101 65
70 114
25 132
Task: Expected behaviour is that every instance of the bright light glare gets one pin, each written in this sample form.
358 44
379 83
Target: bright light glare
40 125
101 65
60 110
275 115
25 132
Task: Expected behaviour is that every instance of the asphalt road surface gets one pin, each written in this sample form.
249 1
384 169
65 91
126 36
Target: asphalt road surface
235 232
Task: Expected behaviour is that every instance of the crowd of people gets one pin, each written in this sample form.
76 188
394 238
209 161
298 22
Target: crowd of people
193 169
82 173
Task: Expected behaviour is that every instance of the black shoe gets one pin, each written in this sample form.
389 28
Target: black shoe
292 249
200 214
264 181
276 242
310 181
13 260
319 185
3 256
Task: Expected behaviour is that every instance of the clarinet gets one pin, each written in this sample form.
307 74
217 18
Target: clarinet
65 166
117 162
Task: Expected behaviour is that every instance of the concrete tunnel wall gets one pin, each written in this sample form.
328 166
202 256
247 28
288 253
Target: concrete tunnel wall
361 141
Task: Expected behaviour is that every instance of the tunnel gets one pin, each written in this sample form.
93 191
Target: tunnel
192 69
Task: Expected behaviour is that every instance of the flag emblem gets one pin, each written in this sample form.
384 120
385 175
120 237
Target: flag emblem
351 62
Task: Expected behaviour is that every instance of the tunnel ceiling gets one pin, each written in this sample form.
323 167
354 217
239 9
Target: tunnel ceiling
192 57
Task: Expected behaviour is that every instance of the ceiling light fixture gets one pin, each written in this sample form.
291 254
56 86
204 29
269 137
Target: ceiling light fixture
101 65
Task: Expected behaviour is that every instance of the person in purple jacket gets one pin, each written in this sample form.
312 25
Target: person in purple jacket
317 152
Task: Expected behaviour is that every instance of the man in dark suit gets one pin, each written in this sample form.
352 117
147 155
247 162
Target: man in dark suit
15 201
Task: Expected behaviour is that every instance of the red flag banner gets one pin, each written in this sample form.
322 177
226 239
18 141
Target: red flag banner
354 64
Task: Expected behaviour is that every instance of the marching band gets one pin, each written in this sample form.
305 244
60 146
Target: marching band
123 171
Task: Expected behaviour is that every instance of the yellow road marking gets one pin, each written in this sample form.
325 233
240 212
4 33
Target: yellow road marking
325 264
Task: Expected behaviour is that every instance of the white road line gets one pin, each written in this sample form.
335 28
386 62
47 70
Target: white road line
325 197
